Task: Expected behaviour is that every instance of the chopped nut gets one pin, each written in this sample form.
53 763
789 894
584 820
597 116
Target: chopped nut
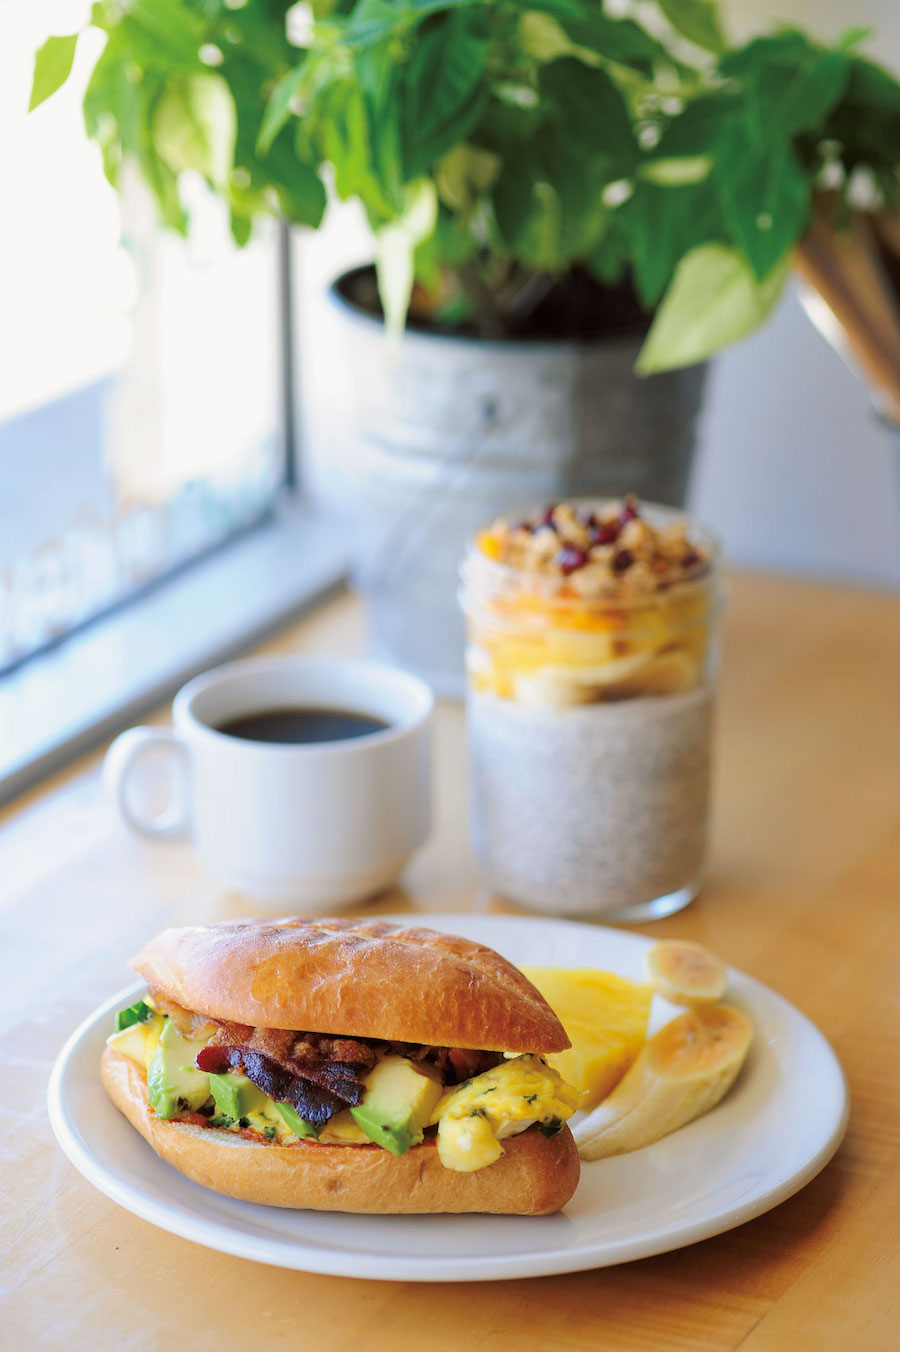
591 553
639 539
592 580
570 528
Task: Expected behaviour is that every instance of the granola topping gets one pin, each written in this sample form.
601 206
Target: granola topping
611 550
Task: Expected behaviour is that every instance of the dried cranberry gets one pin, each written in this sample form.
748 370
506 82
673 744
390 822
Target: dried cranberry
523 525
604 533
569 558
547 517
629 512
622 560
691 559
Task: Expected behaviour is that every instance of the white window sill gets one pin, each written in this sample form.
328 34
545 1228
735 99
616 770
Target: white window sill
60 703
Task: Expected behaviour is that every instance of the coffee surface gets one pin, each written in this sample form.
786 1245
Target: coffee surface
302 725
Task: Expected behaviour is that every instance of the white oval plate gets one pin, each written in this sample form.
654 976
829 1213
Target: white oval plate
779 1126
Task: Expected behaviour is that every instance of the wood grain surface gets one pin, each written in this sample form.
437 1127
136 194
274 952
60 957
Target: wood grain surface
803 893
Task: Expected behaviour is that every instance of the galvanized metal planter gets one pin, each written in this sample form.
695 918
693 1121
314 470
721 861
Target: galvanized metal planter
439 434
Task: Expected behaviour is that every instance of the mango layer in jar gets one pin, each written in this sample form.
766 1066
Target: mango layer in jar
577 625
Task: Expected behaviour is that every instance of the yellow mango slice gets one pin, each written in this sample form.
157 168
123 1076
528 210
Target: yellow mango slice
606 1019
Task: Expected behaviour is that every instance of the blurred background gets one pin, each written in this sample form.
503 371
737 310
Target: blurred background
157 393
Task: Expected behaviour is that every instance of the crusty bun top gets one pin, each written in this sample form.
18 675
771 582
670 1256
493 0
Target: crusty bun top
363 978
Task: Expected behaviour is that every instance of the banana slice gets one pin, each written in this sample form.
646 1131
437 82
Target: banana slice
566 687
614 671
684 1070
543 691
686 973
667 674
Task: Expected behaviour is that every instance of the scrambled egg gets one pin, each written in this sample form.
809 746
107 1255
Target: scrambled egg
139 1040
473 1118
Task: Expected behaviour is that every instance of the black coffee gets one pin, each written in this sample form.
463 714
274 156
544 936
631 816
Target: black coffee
303 725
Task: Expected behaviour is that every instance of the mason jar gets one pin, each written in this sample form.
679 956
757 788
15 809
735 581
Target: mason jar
590 706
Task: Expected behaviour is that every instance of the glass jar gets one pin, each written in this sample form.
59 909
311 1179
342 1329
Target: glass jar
590 726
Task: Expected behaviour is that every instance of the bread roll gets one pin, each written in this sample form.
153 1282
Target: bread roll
358 978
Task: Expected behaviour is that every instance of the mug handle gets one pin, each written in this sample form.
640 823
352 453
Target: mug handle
123 757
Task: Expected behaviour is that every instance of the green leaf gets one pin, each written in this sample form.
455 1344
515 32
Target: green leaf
52 66
620 41
695 130
788 46
527 214
789 83
443 91
675 171
395 247
194 127
765 198
300 192
795 100
463 175
139 1012
449 245
278 108
543 37
241 228
560 9
589 110
119 110
852 37
339 125
866 123
714 299
697 20
872 85
661 225
163 35
373 20
578 210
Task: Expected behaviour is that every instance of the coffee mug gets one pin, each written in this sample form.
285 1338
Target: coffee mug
308 823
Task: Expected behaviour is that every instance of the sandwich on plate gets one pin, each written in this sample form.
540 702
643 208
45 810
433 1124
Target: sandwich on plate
346 1065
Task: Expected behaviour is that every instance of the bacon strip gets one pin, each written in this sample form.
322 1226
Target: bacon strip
317 1073
455 1063
314 1104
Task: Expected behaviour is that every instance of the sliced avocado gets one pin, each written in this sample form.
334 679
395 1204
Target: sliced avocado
139 1012
296 1122
399 1100
173 1080
235 1095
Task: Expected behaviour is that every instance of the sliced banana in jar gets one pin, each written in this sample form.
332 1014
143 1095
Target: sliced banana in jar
667 674
544 691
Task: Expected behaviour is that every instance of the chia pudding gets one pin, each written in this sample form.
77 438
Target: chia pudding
591 674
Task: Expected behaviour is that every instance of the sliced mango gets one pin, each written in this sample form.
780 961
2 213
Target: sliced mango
606 1019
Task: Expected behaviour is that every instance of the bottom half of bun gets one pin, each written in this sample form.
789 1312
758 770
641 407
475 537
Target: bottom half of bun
535 1176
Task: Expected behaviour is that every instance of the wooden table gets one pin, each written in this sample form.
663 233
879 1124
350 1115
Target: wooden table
802 893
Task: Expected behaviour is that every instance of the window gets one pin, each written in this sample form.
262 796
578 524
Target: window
139 373
143 423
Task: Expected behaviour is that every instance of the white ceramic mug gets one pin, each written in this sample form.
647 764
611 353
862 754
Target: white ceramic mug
311 824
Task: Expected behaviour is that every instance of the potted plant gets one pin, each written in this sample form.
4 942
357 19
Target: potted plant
570 211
